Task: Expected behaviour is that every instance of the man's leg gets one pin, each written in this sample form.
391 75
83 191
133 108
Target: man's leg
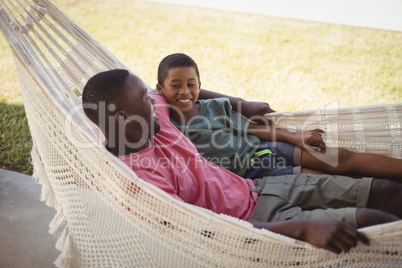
308 196
386 196
367 217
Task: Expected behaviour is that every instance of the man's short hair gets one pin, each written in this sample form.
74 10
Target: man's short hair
174 61
102 87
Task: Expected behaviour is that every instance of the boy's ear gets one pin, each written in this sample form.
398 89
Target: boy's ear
159 88
120 117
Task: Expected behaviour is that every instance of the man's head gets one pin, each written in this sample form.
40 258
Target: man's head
118 102
179 81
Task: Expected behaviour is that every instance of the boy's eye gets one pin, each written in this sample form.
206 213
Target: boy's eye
191 85
175 86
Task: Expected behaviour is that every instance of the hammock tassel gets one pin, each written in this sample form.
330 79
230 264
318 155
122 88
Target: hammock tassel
64 244
57 222
64 240
40 176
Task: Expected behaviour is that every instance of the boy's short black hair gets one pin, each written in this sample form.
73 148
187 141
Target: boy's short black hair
104 86
174 61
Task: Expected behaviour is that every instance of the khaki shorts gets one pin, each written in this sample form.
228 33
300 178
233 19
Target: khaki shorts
310 196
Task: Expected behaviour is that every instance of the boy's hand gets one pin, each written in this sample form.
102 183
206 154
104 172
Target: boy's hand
311 138
333 235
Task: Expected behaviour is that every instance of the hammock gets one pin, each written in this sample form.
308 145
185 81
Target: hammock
107 216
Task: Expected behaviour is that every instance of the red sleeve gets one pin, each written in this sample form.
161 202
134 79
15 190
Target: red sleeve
161 106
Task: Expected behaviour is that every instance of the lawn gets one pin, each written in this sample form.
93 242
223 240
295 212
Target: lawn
291 64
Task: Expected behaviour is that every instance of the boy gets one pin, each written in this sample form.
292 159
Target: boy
245 148
140 134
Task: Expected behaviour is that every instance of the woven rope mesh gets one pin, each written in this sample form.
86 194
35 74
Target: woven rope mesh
108 217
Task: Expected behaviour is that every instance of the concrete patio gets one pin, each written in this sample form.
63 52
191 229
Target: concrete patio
24 223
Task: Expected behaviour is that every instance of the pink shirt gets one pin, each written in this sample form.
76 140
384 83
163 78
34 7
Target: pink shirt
174 165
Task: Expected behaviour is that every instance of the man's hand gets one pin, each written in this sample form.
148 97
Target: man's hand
333 235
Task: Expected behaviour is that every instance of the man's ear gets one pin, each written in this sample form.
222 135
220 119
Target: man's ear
120 116
159 88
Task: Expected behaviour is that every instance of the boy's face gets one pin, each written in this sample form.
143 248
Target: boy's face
181 88
136 108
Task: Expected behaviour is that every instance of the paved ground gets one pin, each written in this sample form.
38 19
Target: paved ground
379 14
24 223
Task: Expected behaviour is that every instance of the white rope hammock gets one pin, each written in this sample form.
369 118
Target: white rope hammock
107 216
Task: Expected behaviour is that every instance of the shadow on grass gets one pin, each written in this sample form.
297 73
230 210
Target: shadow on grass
15 139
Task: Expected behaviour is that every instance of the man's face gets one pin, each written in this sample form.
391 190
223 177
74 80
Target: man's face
137 110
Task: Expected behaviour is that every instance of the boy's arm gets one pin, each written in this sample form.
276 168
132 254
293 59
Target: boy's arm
249 109
333 235
312 138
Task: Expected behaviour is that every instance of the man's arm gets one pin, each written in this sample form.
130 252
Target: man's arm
249 109
332 235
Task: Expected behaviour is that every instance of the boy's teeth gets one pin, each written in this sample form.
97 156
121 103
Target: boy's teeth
185 101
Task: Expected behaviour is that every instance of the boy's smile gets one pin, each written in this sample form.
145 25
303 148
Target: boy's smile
181 88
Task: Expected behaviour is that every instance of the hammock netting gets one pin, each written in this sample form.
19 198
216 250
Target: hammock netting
108 217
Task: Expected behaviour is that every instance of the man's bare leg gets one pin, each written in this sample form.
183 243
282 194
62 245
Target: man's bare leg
368 217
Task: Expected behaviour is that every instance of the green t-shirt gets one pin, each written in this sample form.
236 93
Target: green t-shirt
220 136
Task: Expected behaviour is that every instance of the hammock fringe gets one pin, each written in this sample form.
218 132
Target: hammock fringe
39 174
64 245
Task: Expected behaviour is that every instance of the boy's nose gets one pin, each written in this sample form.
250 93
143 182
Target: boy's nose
184 90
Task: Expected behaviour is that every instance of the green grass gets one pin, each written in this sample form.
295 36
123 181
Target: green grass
291 64
15 139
